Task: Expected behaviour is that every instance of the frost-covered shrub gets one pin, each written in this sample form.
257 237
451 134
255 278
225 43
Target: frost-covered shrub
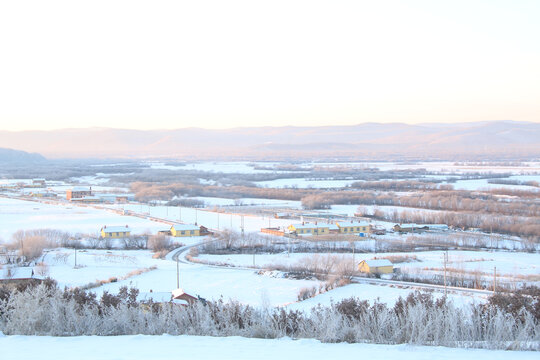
418 319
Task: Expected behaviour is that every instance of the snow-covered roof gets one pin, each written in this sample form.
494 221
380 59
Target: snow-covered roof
413 225
87 198
111 229
333 227
81 188
184 227
378 263
310 226
351 223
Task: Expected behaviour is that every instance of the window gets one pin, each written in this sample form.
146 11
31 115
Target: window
182 232
345 229
192 232
357 229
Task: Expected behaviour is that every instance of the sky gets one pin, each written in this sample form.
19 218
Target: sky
222 64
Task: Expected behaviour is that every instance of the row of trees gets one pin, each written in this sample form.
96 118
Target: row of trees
506 322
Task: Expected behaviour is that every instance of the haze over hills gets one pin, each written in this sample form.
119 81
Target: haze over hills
505 139
9 156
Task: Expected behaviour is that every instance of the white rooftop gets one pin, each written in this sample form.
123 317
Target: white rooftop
81 188
185 227
378 263
110 229
310 226
351 223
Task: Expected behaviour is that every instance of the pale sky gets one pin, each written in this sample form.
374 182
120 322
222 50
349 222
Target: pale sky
220 64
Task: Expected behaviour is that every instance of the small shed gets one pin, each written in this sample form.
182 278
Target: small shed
179 294
402 228
382 266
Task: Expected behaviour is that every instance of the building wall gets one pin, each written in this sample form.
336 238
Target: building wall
363 267
354 229
184 233
313 231
382 270
115 235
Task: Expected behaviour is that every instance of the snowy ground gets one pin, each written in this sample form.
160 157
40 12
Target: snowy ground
139 347
508 264
386 294
209 282
303 183
19 214
210 219
216 201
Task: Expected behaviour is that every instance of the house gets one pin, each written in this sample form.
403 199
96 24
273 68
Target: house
179 230
78 192
307 228
333 228
186 299
353 227
87 199
282 215
115 232
43 194
382 266
116 198
402 228
38 182
203 230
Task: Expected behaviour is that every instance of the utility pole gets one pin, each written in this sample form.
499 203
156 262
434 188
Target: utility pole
177 274
75 259
195 216
445 261
354 255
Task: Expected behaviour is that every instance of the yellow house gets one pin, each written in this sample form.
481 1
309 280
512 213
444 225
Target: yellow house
353 227
115 232
179 230
313 229
382 266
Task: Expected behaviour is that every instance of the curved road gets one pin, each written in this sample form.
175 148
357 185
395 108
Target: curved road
177 256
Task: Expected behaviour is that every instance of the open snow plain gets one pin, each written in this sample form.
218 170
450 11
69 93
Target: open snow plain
18 214
140 347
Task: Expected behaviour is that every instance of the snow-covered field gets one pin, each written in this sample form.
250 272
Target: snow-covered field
210 219
508 264
209 282
303 183
216 201
26 215
165 347
386 294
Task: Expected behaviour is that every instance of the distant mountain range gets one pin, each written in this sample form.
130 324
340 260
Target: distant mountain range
493 139
8 156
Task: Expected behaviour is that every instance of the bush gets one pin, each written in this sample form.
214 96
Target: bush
158 243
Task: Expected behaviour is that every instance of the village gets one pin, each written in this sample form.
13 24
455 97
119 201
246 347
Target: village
302 233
